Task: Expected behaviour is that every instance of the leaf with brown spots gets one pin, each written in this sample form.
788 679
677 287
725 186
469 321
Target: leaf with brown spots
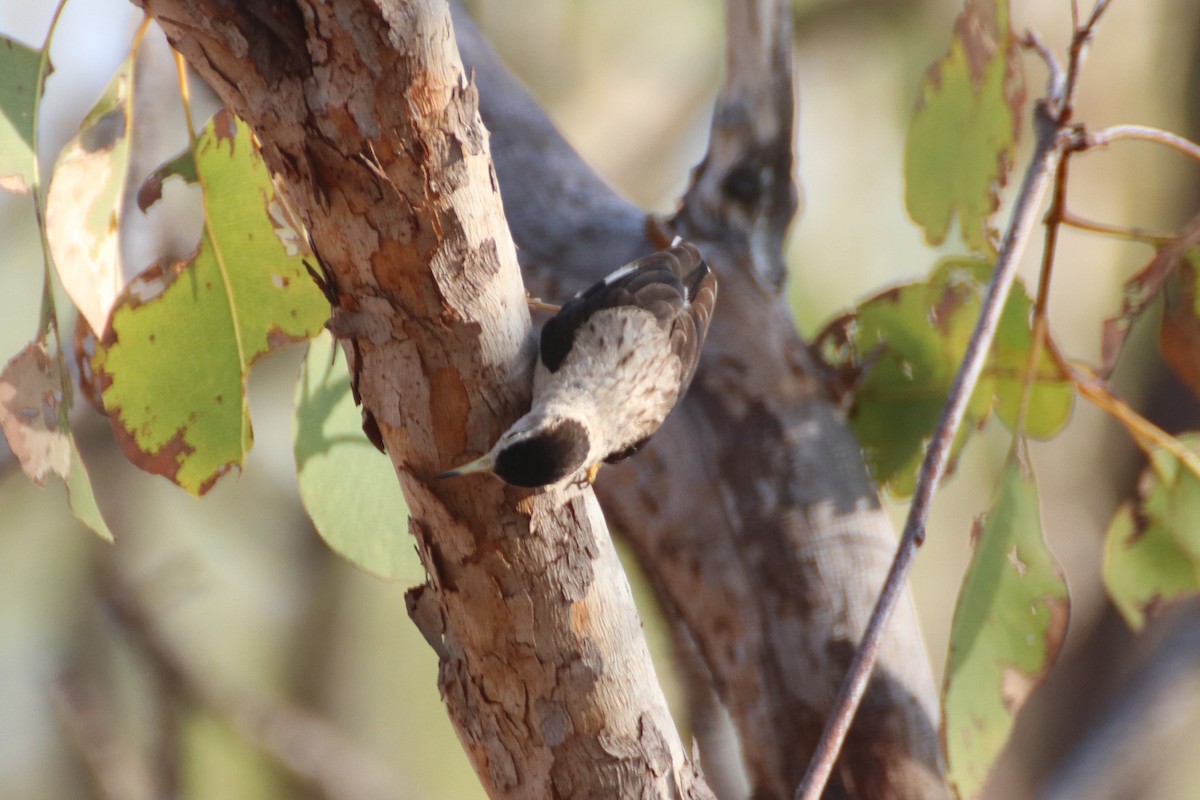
87 192
963 133
1148 285
173 363
900 350
33 415
1152 551
1008 628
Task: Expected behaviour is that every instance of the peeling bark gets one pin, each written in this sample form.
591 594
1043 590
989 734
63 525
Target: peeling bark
364 112
751 507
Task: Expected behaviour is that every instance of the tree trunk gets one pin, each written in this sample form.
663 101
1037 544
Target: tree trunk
751 508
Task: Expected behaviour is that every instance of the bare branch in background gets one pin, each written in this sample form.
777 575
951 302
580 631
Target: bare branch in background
299 741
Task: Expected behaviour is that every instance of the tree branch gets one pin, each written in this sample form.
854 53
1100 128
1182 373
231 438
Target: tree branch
363 109
1047 150
752 505
301 742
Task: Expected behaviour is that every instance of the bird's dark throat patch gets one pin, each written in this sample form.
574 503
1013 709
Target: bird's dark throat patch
546 458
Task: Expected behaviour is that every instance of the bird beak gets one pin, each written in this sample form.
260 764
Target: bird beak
481 464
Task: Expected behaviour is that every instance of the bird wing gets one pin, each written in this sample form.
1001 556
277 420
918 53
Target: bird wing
691 327
675 285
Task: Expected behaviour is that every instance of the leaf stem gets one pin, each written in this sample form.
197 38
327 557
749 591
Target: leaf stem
48 316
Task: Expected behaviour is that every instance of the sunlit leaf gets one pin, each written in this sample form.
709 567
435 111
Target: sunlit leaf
18 95
33 416
348 487
903 349
174 360
960 143
1008 628
1152 552
83 207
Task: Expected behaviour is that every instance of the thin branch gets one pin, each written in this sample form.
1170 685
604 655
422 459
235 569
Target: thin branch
1143 133
1047 150
1153 238
118 770
1144 433
1054 137
1056 76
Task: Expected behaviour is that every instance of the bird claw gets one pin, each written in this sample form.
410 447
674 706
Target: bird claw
537 304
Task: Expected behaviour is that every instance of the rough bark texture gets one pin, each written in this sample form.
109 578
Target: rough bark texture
751 507
363 110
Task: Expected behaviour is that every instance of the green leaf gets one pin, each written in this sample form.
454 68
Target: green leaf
961 140
1008 628
348 487
1052 395
34 403
87 192
18 95
1152 551
903 349
182 337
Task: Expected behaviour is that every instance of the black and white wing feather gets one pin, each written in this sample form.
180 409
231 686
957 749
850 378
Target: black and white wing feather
675 285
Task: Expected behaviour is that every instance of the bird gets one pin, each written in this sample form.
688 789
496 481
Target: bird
611 365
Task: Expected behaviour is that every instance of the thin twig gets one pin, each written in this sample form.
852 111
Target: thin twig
118 770
1025 214
1154 238
1052 127
1143 133
1144 433
301 742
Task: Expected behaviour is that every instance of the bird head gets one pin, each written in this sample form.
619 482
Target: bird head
538 450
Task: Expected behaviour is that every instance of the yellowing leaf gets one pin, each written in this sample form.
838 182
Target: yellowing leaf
1152 550
83 208
18 95
173 363
348 487
1008 627
33 416
961 140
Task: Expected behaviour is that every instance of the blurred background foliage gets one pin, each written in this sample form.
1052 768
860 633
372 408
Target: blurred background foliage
243 589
